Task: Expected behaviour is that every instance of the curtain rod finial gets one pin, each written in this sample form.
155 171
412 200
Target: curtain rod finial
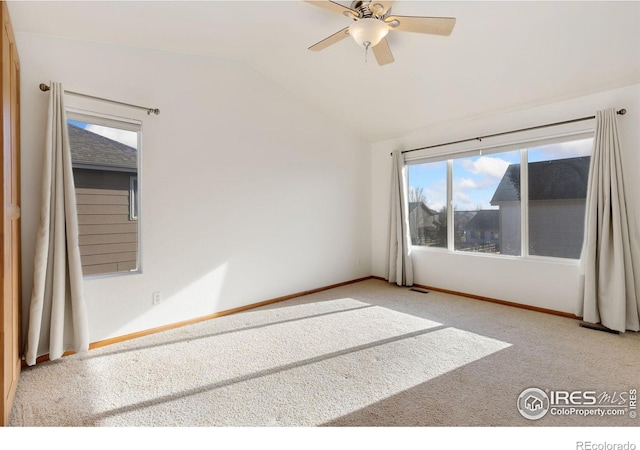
44 87
622 112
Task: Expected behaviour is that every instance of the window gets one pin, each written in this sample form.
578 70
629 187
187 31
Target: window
545 185
105 155
428 204
558 177
476 215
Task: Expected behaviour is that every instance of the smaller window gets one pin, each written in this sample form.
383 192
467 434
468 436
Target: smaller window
104 158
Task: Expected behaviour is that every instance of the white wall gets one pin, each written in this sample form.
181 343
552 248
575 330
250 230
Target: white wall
541 283
247 193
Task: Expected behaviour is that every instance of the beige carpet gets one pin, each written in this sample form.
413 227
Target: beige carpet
366 354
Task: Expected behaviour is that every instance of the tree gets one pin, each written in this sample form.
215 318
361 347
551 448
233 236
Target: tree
417 195
441 235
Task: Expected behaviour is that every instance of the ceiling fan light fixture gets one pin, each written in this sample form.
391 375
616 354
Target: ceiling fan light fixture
368 32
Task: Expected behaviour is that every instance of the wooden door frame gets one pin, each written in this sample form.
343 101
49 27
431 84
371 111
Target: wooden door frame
10 258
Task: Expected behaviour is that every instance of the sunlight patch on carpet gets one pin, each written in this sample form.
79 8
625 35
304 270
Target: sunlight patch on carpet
299 365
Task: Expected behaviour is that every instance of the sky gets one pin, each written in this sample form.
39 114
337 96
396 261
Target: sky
475 179
125 137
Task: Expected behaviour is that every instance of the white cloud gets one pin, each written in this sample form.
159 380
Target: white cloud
467 183
462 198
430 195
438 190
487 165
125 137
435 206
563 150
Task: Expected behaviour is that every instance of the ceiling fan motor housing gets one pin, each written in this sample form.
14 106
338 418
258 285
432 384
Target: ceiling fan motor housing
368 9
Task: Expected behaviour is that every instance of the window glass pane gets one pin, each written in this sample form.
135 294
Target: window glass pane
105 171
558 176
427 204
486 202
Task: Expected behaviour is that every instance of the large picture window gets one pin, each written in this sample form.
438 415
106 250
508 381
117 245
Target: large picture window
105 155
524 202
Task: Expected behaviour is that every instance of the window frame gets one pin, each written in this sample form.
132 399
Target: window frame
133 197
127 124
522 144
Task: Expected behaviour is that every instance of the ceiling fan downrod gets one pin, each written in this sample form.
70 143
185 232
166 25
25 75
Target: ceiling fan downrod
362 8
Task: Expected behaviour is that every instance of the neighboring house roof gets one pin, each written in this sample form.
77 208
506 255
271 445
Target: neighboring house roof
485 219
90 150
424 216
462 218
559 179
421 205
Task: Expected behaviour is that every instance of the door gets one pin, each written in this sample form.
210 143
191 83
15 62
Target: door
10 220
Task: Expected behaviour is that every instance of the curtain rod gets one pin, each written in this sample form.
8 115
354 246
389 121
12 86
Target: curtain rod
621 112
156 111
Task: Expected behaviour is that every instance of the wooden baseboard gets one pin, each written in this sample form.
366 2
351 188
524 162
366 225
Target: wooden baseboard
491 300
500 302
138 334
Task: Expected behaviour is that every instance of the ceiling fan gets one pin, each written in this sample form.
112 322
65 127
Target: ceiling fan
372 20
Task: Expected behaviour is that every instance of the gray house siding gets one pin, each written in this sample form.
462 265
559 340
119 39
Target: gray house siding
565 218
510 218
108 237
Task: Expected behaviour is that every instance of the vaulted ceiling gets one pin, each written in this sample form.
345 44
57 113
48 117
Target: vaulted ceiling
501 55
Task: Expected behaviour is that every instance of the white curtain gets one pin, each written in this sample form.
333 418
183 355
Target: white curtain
610 288
400 267
57 313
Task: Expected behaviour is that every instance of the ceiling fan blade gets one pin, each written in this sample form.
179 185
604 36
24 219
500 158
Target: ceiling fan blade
442 26
383 52
335 7
326 42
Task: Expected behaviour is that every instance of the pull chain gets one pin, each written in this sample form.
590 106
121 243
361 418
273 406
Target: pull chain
367 44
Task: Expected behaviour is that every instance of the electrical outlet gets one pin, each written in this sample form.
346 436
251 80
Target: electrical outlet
156 298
